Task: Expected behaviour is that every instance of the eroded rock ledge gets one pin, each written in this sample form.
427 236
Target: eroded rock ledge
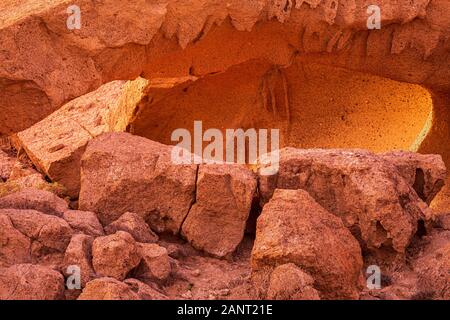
43 64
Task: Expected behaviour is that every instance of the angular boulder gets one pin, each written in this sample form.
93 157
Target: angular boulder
84 222
49 235
125 173
33 199
426 173
115 255
293 228
56 144
30 282
155 264
216 221
365 191
135 225
107 289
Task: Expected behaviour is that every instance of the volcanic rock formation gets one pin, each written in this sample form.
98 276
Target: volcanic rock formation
87 180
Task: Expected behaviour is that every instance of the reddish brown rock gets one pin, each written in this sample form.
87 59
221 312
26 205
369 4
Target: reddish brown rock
14 245
30 282
293 228
84 222
49 235
365 191
433 270
6 165
288 282
57 143
125 173
443 221
115 255
155 264
135 225
216 221
33 199
144 291
426 173
107 289
79 254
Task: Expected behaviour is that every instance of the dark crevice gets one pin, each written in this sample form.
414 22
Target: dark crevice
194 201
419 184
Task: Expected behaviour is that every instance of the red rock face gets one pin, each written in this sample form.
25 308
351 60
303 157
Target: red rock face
93 207
366 192
121 172
293 228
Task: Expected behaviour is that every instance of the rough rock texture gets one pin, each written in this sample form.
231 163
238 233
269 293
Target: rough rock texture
293 228
433 270
124 173
57 143
84 222
288 282
33 199
79 253
144 291
6 165
107 289
426 173
115 255
216 221
14 245
366 192
135 225
48 236
155 263
444 221
30 282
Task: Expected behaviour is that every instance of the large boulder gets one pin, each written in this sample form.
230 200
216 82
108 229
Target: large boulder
217 220
84 222
135 225
115 255
426 173
107 289
365 191
33 199
125 173
48 236
30 282
57 143
293 228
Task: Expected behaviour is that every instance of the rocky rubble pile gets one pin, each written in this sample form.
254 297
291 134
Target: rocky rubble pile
146 228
